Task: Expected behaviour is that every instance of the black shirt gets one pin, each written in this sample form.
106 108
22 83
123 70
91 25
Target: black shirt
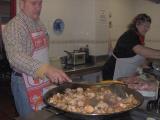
123 49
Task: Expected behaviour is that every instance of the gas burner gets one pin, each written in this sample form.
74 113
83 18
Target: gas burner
119 117
136 114
65 116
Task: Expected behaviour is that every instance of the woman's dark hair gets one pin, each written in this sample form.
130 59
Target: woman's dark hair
140 18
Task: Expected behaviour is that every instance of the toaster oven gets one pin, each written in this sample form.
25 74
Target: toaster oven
79 58
75 58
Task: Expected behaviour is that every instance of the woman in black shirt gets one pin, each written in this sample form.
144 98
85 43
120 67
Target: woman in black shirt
130 52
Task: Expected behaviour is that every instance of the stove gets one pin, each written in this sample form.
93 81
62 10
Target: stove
137 114
132 115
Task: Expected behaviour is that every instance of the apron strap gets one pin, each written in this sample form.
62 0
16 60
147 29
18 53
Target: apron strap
114 56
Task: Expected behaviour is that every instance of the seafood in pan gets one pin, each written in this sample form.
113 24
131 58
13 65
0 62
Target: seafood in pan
99 100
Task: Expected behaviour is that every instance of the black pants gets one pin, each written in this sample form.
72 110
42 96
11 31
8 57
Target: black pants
108 69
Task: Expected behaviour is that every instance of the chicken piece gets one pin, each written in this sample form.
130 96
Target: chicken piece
90 95
80 90
102 104
80 103
88 109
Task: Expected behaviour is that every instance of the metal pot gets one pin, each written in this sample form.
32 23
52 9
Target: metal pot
156 65
115 87
154 68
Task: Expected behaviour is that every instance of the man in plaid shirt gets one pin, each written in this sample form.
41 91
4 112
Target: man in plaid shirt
26 44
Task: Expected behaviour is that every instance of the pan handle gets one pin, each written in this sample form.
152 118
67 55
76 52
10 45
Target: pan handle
107 82
112 82
50 109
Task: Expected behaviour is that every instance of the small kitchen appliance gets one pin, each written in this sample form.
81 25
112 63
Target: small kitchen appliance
75 58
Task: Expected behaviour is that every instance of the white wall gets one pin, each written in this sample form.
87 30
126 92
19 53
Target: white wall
101 28
83 25
78 16
86 22
121 12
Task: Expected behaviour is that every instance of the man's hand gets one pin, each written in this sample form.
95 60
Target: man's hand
56 75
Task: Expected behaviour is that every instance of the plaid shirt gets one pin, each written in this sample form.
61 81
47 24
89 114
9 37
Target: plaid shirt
18 43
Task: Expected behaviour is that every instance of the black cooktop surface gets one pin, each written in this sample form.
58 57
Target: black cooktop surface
133 115
137 114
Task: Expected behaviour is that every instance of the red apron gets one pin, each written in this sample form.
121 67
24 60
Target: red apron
36 88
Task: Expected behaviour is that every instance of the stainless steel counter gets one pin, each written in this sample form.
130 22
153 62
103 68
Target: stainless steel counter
88 68
85 69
